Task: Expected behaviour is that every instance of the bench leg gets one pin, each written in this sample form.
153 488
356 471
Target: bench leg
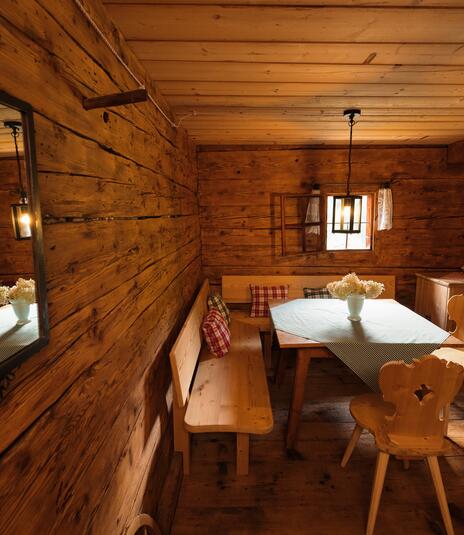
243 453
181 436
267 350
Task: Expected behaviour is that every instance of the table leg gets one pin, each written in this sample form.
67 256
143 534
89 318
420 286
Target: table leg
303 359
281 367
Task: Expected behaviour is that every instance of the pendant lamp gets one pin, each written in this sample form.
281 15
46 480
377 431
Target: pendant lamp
346 217
20 215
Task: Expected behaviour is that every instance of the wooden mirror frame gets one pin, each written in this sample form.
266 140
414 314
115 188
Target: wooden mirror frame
18 358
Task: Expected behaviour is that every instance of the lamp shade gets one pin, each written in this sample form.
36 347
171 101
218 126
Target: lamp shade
346 218
21 220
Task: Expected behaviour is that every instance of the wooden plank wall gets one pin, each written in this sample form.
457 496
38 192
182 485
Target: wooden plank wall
240 216
85 422
16 255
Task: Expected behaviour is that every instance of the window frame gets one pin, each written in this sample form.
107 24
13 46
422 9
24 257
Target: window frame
372 197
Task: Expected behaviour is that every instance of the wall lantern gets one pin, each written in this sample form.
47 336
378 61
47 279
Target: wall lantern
346 217
20 215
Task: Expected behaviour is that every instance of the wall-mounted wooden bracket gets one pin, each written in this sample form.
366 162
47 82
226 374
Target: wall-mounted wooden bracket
116 99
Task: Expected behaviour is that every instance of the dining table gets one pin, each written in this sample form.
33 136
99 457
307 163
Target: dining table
387 331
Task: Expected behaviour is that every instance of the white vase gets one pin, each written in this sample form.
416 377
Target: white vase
355 304
22 311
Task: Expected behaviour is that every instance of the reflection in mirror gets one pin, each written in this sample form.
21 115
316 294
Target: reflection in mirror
23 325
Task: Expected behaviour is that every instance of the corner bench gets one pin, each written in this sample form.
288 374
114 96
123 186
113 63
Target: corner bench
228 394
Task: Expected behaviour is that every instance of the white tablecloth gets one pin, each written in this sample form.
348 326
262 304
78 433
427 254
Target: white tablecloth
15 337
388 331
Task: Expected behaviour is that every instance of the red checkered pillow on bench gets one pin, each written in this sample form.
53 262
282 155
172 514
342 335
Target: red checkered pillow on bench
261 295
217 333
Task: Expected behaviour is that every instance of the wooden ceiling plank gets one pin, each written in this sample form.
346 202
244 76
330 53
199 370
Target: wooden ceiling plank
292 24
341 132
308 90
256 124
220 137
303 73
306 3
319 102
307 53
309 114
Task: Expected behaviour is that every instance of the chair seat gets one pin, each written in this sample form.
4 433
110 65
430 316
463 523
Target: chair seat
369 412
230 394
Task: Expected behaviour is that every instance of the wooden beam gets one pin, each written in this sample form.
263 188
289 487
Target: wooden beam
456 153
115 99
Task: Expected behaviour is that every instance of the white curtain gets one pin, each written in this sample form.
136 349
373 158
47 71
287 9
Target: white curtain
385 209
312 213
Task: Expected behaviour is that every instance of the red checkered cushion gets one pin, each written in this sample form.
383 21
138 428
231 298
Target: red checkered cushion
261 295
216 301
216 331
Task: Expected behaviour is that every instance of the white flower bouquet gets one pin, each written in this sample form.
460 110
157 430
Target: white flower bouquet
23 292
351 284
4 291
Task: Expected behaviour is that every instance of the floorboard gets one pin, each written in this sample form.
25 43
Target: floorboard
306 491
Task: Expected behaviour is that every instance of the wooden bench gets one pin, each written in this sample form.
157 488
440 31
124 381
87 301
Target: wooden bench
236 292
228 394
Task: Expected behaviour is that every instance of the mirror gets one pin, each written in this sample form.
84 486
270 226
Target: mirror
23 305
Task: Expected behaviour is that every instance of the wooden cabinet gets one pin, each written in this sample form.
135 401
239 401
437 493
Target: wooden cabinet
433 293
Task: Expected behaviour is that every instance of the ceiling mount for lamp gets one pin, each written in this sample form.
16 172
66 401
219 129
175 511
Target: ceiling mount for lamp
346 217
352 113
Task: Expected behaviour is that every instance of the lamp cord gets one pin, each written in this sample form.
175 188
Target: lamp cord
349 154
15 134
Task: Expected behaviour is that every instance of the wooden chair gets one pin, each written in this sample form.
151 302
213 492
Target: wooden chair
143 524
408 420
456 313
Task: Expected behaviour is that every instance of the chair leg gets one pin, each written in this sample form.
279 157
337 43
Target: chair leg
440 490
406 464
243 453
379 478
352 444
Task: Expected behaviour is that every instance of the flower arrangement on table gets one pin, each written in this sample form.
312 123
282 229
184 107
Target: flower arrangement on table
23 291
353 290
351 284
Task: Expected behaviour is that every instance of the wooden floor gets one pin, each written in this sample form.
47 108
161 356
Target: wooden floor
308 492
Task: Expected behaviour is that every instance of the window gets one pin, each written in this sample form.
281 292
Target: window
343 242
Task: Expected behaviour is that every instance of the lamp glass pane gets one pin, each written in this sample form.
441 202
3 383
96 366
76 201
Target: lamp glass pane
337 221
21 221
357 214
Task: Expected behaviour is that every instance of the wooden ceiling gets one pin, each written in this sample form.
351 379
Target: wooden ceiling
260 71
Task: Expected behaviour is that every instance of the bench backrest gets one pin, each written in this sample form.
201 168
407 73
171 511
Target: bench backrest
184 353
236 288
